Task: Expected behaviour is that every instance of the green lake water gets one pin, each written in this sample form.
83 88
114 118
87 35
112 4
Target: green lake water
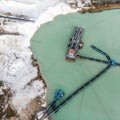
101 100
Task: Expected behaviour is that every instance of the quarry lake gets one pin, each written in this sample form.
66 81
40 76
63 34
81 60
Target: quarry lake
101 100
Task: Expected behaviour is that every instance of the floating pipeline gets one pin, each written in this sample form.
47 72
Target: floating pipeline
111 62
59 94
95 59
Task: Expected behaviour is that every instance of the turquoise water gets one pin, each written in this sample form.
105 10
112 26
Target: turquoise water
99 101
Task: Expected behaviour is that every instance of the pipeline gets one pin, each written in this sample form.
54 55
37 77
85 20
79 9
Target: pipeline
95 59
85 85
99 60
13 18
76 92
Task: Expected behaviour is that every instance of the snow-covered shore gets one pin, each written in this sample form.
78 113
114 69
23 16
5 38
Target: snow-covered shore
18 72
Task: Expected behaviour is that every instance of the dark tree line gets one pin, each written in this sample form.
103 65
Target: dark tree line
106 1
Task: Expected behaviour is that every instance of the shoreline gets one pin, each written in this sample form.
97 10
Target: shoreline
23 98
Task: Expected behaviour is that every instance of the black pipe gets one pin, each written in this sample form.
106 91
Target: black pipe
76 92
16 18
98 60
95 59
102 52
85 85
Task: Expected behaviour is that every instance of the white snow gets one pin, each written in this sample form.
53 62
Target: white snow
25 95
1 92
16 69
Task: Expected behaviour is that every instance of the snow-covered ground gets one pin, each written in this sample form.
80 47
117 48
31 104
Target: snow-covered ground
17 71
